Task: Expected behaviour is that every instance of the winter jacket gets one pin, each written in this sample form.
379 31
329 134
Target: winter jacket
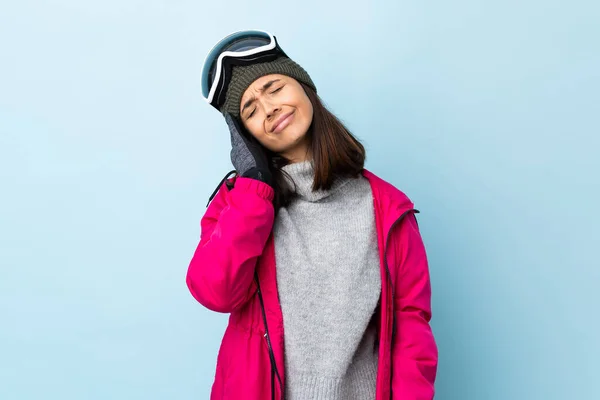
233 271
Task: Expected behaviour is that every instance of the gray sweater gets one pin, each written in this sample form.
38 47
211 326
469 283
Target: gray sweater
329 286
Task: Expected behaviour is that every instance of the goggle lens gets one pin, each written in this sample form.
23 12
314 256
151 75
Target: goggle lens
236 42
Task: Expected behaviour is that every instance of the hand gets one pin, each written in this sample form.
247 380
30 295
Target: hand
248 156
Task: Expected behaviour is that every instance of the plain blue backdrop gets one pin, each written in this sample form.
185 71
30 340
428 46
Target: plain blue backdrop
486 113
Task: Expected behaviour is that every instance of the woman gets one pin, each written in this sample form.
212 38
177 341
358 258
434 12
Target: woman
319 262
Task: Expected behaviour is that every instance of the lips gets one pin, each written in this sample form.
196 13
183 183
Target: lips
282 122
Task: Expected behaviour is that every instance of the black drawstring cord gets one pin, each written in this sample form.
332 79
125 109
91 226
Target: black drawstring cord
274 372
219 186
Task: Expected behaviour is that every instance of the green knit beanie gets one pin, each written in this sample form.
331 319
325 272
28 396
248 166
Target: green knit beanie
243 76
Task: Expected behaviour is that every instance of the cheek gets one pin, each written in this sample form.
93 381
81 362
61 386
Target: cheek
254 127
307 113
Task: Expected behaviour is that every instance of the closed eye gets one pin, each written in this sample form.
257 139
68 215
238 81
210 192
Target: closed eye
274 91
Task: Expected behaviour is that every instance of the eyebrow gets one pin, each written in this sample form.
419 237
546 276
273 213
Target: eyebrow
265 87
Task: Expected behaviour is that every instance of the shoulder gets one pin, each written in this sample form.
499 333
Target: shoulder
386 191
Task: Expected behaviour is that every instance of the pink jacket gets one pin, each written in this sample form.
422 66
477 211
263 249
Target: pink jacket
233 271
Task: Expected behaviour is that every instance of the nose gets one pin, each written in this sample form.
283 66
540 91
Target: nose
271 109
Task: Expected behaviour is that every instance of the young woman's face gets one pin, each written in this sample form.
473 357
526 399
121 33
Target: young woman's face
277 112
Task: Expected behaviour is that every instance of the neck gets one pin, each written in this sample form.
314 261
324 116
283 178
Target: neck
297 154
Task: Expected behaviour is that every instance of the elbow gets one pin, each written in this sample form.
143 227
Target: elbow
210 301
215 293
417 342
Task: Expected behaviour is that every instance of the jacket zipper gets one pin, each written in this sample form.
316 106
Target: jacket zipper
391 285
274 370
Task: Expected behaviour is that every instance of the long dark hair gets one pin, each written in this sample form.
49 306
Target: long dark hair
334 150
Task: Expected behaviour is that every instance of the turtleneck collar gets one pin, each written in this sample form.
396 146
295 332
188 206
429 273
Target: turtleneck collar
302 174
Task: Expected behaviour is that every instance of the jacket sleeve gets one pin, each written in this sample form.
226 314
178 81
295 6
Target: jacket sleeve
234 231
414 350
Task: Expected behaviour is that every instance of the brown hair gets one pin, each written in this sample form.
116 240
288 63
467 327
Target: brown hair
334 150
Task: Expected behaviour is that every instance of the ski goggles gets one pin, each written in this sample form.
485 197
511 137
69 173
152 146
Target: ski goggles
237 49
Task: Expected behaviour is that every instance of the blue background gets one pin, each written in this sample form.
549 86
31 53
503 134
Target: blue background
485 113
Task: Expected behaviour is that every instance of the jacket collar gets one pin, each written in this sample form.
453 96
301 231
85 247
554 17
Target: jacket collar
390 202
